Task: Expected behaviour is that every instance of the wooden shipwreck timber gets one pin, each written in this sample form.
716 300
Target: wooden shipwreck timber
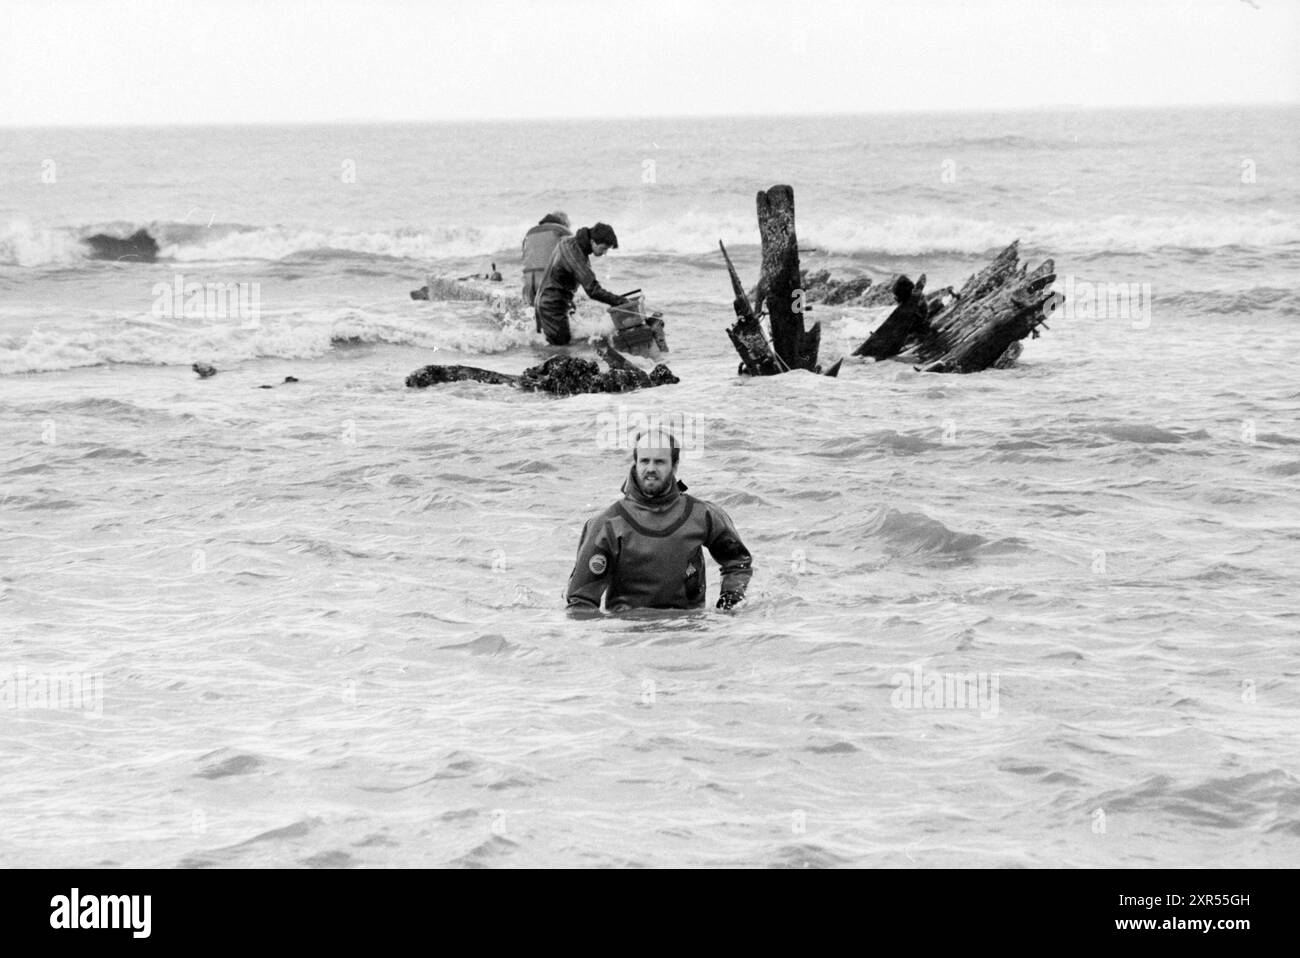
559 375
780 290
977 327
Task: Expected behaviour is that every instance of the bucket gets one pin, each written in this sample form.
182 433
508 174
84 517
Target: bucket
629 315
638 339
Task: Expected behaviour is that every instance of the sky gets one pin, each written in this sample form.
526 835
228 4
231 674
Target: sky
72 62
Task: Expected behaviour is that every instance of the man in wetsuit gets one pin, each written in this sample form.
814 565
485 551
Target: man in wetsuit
647 550
570 267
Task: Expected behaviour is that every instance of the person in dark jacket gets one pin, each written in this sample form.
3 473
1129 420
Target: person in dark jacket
647 550
908 321
570 267
539 244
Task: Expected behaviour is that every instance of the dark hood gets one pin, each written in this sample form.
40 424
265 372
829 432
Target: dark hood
559 229
666 498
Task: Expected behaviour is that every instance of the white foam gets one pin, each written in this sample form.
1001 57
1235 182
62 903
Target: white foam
691 233
22 244
471 328
274 243
908 234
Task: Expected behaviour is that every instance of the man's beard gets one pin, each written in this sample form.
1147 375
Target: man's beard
655 487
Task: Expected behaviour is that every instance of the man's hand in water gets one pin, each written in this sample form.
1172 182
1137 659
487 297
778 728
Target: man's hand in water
577 609
728 600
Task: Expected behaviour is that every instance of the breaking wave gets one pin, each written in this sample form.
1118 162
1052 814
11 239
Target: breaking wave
688 234
451 327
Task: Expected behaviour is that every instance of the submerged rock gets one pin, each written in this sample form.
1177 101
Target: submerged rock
819 287
139 247
564 376
558 375
427 376
661 375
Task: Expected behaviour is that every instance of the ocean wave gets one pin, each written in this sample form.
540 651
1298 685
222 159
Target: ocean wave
282 242
105 407
1250 799
23 244
472 328
1241 302
916 535
1005 141
915 234
456 327
689 233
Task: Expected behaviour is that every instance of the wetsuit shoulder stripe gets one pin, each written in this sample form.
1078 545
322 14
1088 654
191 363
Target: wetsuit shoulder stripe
660 533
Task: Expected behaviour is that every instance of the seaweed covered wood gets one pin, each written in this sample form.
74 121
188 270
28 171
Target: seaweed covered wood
559 375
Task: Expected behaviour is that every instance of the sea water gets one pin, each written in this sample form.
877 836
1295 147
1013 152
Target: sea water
1034 617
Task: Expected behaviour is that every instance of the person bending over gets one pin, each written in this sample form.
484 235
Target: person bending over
570 267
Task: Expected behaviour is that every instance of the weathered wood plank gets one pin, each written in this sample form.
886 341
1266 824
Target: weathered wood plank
908 322
616 360
746 333
779 279
965 331
998 306
809 345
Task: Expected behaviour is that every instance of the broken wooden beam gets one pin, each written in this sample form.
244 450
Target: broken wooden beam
906 322
616 361
969 330
746 333
779 283
810 342
996 308
780 291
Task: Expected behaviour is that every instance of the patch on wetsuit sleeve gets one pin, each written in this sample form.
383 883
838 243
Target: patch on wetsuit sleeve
597 564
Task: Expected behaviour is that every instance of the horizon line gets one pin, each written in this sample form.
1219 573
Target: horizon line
605 118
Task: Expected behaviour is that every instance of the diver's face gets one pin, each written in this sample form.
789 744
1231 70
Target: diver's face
654 469
599 249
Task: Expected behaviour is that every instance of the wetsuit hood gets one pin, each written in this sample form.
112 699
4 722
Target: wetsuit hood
557 229
583 236
632 490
